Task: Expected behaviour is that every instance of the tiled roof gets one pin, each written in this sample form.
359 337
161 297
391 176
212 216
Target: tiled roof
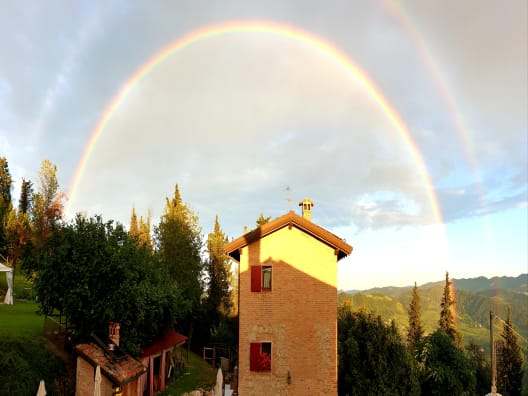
119 372
290 219
169 340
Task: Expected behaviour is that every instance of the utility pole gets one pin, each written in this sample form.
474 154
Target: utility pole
493 368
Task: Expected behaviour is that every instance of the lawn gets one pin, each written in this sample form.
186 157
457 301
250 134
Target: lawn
21 320
197 374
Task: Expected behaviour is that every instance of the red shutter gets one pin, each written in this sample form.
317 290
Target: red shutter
255 278
254 356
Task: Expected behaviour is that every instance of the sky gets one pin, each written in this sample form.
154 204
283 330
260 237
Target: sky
405 122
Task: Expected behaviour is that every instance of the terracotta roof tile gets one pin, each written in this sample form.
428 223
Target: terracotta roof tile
119 372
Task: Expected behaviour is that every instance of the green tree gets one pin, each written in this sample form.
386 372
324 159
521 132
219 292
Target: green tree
26 196
372 357
262 220
218 271
48 203
445 369
179 244
415 332
481 367
5 201
509 361
447 313
95 273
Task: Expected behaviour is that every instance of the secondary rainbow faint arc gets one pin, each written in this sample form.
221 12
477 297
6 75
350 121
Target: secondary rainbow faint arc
322 46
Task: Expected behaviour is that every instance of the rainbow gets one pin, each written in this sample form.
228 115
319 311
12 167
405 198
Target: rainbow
323 47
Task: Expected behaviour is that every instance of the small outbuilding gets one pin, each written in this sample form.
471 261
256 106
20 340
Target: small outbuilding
161 361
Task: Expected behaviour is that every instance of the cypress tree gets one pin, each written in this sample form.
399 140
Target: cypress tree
416 331
218 270
509 361
447 315
26 196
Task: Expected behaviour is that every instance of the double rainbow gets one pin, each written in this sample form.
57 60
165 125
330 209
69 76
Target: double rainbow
319 45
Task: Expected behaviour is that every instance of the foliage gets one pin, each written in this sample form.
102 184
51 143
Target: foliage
95 273
262 220
26 196
444 368
372 357
509 361
140 230
23 363
415 331
179 243
481 366
48 205
447 313
5 200
218 271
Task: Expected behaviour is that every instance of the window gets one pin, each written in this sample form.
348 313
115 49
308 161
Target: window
260 278
260 356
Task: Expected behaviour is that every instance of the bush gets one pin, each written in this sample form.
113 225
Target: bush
23 363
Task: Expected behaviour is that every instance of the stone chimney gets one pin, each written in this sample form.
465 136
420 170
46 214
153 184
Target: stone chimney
306 206
113 332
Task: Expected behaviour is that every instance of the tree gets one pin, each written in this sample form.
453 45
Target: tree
481 368
95 273
5 201
447 313
372 357
415 332
444 368
133 230
179 243
144 231
509 361
26 196
48 203
262 220
218 271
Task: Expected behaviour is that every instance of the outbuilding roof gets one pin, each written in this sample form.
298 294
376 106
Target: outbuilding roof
170 339
290 219
120 372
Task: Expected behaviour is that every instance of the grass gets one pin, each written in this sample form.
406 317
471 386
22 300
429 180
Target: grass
21 320
197 374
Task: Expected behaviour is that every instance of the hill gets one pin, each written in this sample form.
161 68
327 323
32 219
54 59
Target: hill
475 298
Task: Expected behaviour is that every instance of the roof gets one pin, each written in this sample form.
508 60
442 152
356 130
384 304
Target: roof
119 372
290 219
169 340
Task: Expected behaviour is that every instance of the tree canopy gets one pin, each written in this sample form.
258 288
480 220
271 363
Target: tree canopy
94 273
372 357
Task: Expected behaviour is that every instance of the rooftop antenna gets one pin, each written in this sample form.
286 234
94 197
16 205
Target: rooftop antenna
288 196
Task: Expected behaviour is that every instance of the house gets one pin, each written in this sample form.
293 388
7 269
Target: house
120 373
288 306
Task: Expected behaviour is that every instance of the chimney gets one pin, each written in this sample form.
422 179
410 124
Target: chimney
113 332
306 206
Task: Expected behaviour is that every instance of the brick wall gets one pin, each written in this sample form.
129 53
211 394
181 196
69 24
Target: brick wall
298 316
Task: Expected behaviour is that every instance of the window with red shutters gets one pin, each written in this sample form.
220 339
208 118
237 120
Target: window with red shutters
260 278
260 356
256 278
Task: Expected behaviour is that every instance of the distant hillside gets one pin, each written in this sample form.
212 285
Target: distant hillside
474 300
